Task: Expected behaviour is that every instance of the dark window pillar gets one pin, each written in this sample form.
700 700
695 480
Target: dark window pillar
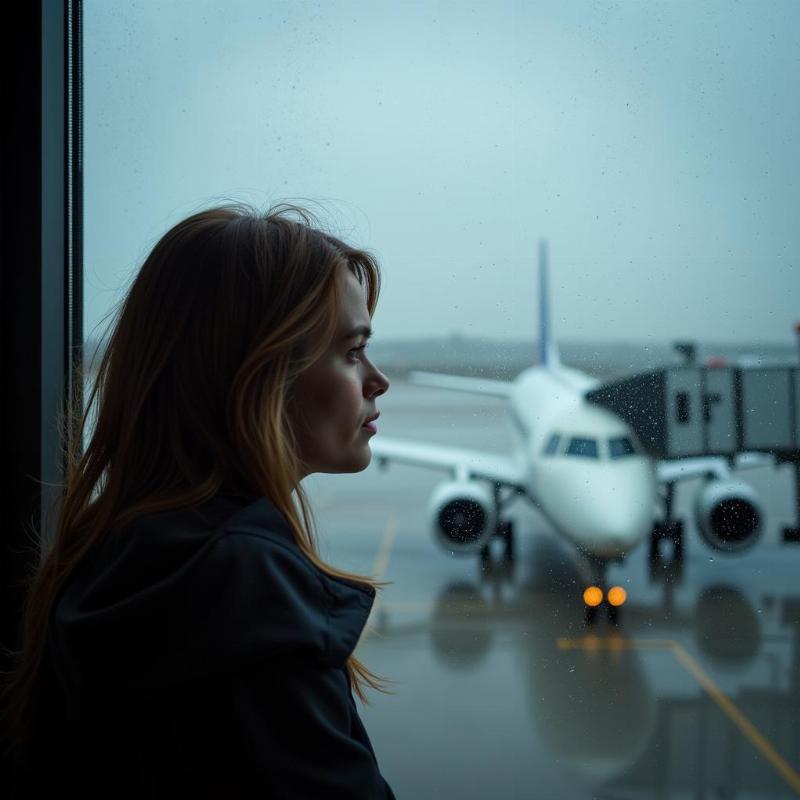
40 286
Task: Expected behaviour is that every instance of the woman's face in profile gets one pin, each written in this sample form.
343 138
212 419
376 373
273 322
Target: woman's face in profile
336 395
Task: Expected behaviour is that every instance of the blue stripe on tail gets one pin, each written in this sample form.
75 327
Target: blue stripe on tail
544 307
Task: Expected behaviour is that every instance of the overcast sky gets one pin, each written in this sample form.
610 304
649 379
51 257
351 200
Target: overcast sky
655 145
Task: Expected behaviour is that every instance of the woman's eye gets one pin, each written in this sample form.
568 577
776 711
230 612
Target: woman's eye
354 352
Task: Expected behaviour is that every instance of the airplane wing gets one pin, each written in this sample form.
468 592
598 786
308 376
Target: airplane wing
461 383
685 468
461 463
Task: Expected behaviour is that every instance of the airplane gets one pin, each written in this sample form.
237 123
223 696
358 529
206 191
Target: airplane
581 466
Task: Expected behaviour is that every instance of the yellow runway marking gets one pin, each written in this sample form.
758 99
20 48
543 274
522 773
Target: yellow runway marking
591 642
379 570
750 732
382 559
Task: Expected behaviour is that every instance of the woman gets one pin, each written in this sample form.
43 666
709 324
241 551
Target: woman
182 637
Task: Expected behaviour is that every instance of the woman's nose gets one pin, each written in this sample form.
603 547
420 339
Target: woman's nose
381 384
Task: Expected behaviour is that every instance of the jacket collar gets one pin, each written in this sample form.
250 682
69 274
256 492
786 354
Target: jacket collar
349 602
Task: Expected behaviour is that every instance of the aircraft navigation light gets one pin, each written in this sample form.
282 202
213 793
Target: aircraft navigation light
617 595
593 596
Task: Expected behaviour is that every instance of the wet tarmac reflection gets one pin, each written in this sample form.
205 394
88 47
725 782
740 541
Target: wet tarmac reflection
500 689
699 699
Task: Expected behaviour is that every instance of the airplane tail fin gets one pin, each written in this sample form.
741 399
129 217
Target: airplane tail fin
548 351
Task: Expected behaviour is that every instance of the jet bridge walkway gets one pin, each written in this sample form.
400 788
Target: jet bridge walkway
685 411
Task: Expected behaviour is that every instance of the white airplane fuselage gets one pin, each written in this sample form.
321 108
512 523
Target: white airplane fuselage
603 499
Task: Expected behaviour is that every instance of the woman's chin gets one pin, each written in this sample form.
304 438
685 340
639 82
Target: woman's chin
364 461
361 458
357 461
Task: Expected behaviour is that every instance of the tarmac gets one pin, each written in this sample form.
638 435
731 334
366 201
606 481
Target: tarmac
501 690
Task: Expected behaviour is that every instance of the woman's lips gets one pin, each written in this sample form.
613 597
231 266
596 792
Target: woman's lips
370 423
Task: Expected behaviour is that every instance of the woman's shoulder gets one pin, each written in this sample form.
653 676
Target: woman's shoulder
255 552
177 551
256 540
227 536
197 592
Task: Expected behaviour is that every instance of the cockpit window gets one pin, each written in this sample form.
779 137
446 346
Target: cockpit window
579 446
620 446
551 448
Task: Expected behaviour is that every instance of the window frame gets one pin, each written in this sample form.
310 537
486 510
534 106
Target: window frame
42 283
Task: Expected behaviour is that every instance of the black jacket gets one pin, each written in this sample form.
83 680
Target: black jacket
199 653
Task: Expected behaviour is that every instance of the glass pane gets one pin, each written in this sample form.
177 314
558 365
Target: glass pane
579 446
649 155
620 446
552 445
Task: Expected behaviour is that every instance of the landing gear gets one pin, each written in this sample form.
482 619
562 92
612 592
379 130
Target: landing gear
504 531
670 530
791 533
594 612
593 601
612 612
599 598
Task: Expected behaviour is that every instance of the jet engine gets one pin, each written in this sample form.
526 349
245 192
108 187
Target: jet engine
463 516
729 515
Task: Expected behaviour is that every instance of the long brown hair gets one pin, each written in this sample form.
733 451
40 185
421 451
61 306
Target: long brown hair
191 397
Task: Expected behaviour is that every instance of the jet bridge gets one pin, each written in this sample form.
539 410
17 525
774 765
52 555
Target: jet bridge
687 411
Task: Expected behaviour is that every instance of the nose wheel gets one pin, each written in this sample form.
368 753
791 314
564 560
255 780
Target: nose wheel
601 600
601 603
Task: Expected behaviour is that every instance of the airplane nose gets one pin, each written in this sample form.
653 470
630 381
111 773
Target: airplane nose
623 519
623 512
605 508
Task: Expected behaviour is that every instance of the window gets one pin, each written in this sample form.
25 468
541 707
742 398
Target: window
551 448
620 446
579 446
449 139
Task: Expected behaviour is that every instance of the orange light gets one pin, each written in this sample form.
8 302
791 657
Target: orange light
593 596
617 595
